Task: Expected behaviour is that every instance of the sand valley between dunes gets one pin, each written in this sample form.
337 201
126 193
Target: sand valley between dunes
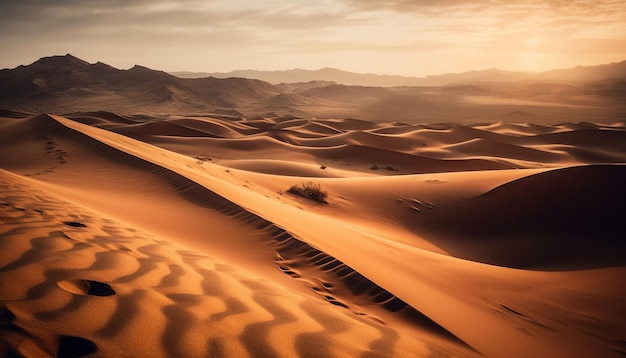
137 236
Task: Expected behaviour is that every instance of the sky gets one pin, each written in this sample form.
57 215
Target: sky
403 37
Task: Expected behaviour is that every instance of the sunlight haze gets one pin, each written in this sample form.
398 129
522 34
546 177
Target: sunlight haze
405 37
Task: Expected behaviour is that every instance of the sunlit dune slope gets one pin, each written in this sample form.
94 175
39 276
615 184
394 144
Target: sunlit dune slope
178 236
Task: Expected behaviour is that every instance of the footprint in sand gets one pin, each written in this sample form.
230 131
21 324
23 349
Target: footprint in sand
74 224
286 270
334 301
6 317
86 287
70 347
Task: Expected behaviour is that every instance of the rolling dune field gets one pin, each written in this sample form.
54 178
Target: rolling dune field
143 236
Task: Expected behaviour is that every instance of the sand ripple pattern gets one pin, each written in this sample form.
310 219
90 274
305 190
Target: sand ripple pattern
436 259
76 284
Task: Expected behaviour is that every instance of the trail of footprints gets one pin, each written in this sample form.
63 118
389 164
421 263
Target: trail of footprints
100 282
354 287
51 149
315 268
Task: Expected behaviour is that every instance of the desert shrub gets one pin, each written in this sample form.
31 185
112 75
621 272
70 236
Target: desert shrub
310 191
389 167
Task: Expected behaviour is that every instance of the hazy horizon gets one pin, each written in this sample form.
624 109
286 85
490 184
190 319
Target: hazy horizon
396 37
303 69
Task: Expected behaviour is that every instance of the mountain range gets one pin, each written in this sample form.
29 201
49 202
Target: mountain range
63 84
570 75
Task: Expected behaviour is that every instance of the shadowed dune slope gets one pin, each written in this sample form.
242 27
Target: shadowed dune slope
570 217
146 236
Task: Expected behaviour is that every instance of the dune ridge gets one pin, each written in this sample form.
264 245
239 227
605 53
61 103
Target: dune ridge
179 222
121 277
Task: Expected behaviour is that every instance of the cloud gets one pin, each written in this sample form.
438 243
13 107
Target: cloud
412 5
501 12
221 22
332 32
162 14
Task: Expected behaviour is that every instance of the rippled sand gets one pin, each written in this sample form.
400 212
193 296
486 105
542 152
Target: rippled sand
177 236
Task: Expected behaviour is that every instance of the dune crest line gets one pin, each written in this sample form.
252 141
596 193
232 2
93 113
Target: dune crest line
110 221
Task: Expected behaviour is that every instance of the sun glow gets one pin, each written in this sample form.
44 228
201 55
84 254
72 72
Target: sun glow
534 42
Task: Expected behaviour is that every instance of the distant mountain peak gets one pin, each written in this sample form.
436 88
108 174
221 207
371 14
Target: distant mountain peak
62 59
57 63
70 56
140 68
103 65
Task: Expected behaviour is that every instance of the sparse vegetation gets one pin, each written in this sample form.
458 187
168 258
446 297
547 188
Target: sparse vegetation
200 159
310 191
388 167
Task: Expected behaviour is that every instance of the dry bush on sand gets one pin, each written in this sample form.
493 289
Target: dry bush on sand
310 191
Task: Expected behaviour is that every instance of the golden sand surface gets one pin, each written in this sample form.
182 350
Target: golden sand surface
178 236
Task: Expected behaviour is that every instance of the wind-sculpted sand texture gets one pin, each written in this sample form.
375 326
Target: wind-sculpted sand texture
177 236
75 283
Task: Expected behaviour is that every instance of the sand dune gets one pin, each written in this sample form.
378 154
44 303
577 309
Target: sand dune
142 236
567 217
